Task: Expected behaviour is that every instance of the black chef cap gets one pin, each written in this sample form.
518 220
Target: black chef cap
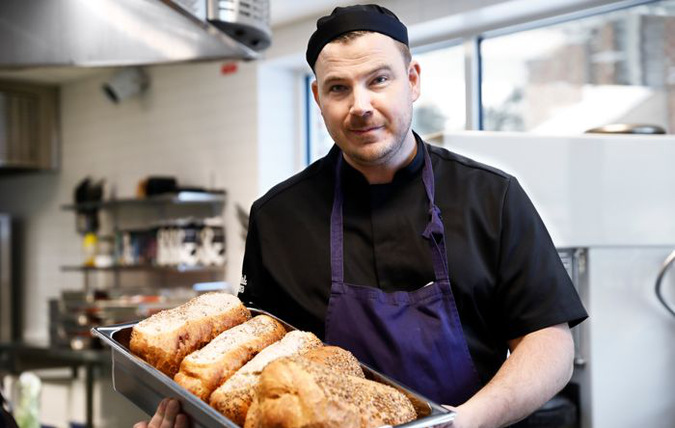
369 17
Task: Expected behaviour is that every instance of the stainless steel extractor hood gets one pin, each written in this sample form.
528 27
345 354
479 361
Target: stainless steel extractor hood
101 33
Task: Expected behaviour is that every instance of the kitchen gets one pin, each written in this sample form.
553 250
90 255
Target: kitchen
242 126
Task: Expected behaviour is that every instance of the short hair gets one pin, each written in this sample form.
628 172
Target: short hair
353 35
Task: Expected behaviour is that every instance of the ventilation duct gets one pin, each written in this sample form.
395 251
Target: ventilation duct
101 33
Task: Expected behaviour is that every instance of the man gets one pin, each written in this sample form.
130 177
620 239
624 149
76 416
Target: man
426 265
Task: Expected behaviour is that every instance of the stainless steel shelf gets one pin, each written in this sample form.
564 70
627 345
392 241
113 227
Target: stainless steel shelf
120 268
180 198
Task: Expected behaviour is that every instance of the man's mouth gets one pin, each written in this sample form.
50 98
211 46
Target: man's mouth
365 130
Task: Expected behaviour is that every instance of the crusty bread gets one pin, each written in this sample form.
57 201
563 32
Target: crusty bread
164 339
204 370
296 392
233 397
336 359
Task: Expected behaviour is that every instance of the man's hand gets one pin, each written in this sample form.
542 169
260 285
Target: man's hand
167 416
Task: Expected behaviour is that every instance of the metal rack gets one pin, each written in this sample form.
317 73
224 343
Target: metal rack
209 204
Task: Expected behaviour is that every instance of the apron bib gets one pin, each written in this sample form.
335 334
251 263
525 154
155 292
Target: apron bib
414 337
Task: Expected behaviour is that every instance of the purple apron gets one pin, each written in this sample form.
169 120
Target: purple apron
414 337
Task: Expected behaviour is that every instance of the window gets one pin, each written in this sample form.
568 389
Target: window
615 66
618 67
319 140
442 103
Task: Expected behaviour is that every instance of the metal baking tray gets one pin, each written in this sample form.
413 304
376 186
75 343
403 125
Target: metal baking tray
146 386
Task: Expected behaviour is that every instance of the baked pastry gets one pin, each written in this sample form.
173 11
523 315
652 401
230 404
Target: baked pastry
234 397
204 370
297 392
164 339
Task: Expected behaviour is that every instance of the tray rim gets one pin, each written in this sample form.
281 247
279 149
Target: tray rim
439 414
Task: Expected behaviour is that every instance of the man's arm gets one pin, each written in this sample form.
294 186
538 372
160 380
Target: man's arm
539 366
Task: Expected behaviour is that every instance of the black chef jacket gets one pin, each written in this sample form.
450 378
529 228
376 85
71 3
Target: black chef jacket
505 273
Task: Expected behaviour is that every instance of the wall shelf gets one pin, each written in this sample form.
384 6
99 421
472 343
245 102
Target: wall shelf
122 268
180 198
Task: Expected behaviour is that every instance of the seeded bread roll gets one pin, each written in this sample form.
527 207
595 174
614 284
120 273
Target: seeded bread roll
204 370
234 397
336 359
164 339
297 392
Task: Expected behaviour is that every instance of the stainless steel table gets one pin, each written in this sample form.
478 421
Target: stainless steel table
18 357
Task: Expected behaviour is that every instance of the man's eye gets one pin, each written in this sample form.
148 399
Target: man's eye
380 79
337 88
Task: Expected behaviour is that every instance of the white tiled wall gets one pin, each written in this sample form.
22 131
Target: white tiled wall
193 123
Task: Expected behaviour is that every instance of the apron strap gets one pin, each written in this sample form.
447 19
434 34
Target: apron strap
434 232
336 225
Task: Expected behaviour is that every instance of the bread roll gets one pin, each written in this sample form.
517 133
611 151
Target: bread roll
204 370
233 397
336 359
164 339
296 392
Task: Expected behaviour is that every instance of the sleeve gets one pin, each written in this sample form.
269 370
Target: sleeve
534 290
253 271
259 289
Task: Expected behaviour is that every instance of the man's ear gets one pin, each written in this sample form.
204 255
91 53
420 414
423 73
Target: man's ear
315 92
414 79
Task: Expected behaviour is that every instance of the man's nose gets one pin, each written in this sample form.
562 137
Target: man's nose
361 102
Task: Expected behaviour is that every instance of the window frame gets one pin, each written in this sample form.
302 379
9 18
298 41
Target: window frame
473 59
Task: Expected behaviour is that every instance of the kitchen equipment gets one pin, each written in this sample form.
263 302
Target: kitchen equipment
212 239
159 185
628 128
87 195
29 134
146 386
246 21
108 33
126 83
659 293
75 313
9 327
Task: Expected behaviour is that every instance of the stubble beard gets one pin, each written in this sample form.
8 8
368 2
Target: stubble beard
375 154
380 152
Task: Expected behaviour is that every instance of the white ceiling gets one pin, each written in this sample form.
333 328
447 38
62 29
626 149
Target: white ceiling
283 12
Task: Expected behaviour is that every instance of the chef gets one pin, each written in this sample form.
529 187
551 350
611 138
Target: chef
428 266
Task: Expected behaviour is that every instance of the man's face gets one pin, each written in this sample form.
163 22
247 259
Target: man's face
365 92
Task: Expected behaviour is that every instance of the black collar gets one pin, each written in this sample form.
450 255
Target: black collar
408 172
